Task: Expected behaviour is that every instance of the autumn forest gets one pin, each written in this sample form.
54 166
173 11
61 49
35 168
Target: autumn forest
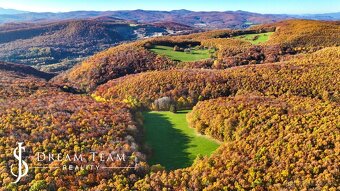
265 98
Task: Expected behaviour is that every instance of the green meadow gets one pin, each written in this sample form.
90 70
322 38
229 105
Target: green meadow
194 55
262 37
174 145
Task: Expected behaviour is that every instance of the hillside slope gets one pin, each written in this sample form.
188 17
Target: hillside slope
58 46
19 81
23 69
274 106
53 121
305 33
136 57
288 143
110 64
299 76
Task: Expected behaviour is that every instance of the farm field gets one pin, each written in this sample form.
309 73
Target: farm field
194 55
174 145
262 37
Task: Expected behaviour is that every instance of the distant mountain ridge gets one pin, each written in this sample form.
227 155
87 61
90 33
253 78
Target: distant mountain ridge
4 11
325 16
202 19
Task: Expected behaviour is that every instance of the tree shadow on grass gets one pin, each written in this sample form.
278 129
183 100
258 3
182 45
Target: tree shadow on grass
167 143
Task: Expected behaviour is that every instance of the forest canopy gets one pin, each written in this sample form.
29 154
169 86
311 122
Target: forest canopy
273 106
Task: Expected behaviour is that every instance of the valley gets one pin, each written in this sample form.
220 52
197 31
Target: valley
57 46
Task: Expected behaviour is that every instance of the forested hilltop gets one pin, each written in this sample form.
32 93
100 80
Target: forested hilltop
55 46
227 51
269 94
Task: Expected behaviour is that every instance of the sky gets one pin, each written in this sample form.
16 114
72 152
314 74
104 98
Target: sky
259 6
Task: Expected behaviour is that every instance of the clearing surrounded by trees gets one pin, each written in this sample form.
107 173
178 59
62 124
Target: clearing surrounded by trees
174 145
183 55
255 38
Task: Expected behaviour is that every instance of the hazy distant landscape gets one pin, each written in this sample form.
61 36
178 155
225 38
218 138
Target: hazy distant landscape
193 100
206 19
57 46
54 42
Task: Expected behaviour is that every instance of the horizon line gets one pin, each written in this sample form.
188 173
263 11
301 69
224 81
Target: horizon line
159 10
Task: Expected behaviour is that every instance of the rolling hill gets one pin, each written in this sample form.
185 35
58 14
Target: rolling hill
286 143
208 20
272 105
304 33
57 46
277 122
137 57
23 69
187 87
19 81
228 19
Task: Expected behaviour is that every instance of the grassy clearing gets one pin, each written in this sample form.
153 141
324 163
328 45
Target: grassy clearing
255 38
194 55
174 145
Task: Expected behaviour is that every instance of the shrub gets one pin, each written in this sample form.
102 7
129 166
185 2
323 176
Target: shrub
173 108
162 104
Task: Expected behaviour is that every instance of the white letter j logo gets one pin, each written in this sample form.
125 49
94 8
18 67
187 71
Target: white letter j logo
22 164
